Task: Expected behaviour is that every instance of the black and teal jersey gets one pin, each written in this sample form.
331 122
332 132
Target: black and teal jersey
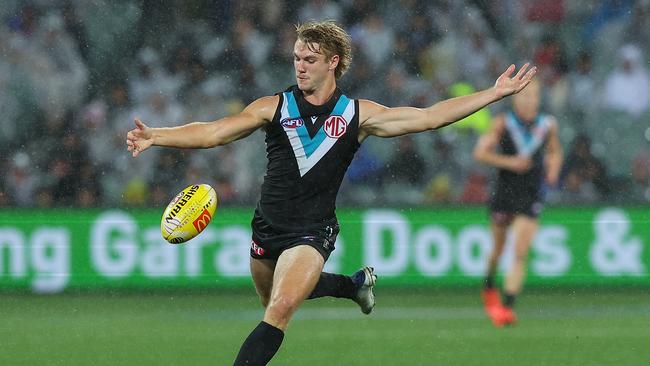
309 149
518 192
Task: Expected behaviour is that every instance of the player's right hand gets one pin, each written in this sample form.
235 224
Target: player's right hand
139 138
520 164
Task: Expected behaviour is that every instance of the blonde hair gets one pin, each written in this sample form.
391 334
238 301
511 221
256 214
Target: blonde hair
331 38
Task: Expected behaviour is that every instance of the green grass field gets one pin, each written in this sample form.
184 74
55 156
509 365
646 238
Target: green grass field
408 327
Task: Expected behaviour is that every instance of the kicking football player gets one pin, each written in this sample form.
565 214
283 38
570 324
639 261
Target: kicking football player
523 143
312 132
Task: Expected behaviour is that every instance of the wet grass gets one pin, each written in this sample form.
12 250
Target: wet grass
408 327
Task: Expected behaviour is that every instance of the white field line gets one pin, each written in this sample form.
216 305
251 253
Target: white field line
432 313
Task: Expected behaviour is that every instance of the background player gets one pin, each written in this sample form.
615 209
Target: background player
523 143
312 132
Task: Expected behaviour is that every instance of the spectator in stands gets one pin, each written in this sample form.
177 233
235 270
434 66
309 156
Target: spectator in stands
320 10
150 78
416 38
549 55
363 177
638 30
444 168
475 190
254 46
4 196
609 11
439 190
65 166
88 192
20 180
26 20
577 190
627 87
49 51
65 77
478 52
165 181
407 163
374 39
10 90
400 88
641 175
582 83
44 197
546 11
404 173
74 26
582 167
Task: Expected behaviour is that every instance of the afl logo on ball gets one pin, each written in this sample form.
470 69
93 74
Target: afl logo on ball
292 122
335 126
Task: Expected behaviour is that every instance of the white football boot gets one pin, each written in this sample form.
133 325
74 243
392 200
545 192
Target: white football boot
365 280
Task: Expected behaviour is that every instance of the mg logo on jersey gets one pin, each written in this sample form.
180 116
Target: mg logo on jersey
202 221
335 126
292 122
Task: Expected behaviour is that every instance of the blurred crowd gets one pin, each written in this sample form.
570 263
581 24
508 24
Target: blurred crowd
74 74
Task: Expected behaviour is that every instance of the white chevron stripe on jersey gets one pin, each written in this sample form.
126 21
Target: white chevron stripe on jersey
527 142
305 163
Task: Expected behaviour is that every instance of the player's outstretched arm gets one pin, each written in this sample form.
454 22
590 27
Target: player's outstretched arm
382 121
203 134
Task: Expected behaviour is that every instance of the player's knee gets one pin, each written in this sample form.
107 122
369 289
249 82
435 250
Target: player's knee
282 306
521 257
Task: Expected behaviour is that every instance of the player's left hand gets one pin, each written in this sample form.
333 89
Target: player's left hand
506 85
139 139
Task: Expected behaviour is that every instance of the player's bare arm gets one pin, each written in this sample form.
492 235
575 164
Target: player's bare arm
553 154
485 150
378 120
204 134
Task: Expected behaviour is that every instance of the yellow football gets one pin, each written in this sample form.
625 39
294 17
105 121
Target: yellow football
189 213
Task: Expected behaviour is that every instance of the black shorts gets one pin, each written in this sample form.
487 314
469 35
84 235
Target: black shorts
503 214
269 242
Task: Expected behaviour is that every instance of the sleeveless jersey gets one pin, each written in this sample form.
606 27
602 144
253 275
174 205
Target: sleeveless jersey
518 192
309 149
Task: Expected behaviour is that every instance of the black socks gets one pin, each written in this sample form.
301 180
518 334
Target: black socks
264 341
508 299
488 283
260 346
330 284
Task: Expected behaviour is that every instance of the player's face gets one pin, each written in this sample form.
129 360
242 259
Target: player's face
311 65
526 103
